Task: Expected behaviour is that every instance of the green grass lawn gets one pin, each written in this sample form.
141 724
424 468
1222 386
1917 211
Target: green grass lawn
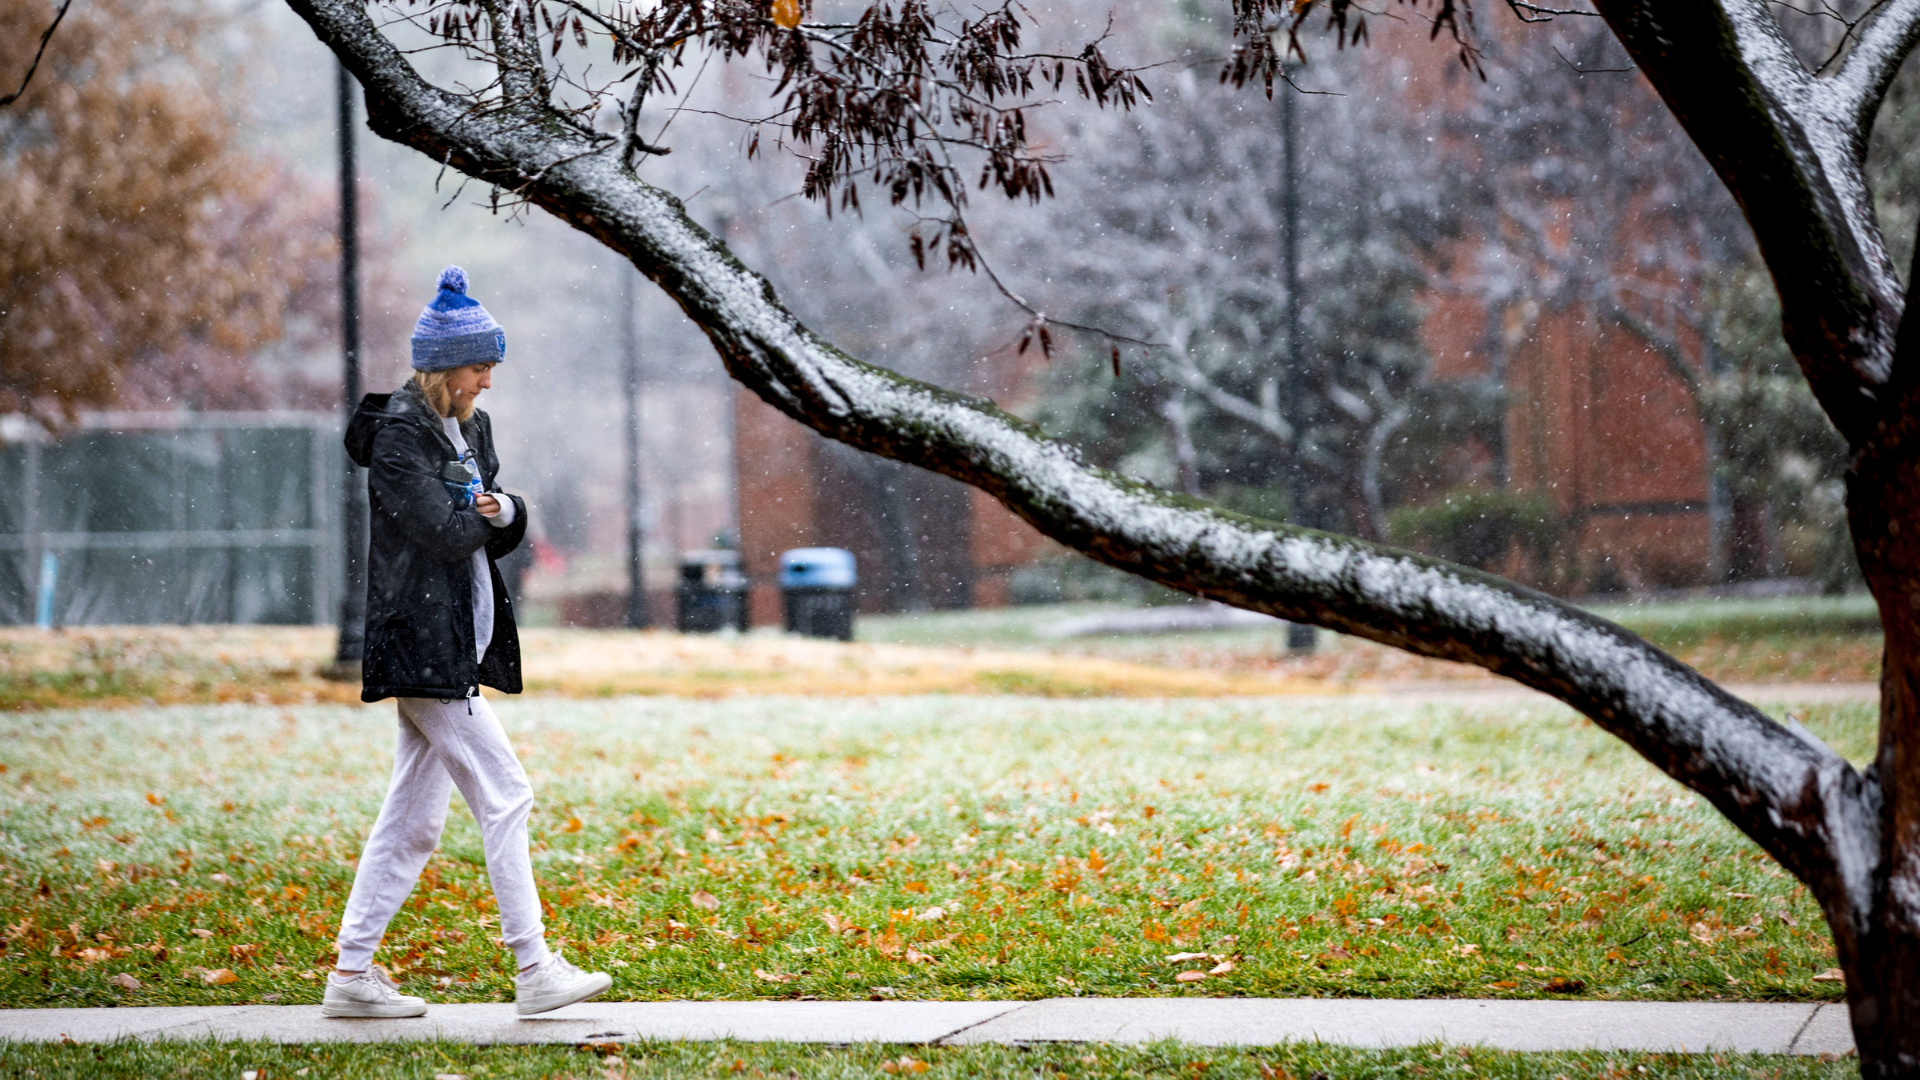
1668 624
934 847
1678 624
1170 1061
997 651
1816 638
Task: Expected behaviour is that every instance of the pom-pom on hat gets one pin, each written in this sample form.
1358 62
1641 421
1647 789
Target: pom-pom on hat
455 330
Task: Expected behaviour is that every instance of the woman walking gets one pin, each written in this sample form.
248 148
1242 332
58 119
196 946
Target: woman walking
439 626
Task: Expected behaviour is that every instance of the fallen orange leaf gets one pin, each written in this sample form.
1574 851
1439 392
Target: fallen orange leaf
774 976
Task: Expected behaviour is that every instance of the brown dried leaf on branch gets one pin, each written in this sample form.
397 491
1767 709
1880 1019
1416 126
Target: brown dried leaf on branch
908 97
1258 58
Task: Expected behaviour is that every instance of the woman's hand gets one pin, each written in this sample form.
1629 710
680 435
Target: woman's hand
487 505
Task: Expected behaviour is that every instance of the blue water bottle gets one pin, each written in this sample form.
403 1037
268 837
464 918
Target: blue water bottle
463 482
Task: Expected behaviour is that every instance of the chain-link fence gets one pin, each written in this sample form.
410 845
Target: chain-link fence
171 518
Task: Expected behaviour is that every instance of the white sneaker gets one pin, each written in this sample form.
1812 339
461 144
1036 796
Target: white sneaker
556 984
368 994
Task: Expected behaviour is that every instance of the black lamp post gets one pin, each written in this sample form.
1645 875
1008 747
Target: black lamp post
637 614
1299 386
353 510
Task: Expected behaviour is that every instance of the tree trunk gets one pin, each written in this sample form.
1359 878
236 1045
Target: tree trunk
1186 459
1877 927
1750 550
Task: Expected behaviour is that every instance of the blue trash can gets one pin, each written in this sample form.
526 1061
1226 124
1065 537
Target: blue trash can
816 588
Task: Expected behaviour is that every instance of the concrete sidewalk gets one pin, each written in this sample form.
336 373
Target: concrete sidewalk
1505 1025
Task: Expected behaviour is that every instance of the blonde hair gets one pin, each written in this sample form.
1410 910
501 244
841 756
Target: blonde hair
439 395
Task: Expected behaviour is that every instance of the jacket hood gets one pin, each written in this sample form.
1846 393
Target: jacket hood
407 405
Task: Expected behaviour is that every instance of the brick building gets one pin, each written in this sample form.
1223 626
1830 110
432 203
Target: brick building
921 540
1599 425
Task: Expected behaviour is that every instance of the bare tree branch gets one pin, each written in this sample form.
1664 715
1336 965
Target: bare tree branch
1378 436
1855 92
1181 370
37 54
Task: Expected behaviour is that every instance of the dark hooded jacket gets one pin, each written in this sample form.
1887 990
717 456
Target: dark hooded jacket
419 560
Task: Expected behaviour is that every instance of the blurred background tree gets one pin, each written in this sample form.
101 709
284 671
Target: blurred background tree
145 259
1182 243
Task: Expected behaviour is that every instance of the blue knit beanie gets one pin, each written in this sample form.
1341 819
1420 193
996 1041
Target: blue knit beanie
455 330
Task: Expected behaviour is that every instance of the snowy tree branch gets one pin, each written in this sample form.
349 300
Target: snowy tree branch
38 55
1731 78
1763 45
1182 371
1860 85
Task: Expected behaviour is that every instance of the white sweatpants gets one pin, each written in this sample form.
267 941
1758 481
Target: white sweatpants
446 745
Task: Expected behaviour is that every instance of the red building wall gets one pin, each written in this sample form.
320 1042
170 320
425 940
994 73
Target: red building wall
774 461
798 490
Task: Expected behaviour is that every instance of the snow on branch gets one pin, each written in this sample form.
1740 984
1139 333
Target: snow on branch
1769 56
1858 87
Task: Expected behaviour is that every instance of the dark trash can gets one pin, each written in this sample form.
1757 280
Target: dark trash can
712 592
816 588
